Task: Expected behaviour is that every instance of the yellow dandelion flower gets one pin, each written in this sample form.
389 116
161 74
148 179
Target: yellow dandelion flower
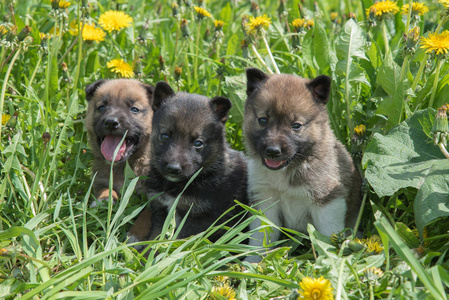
201 12
3 251
218 24
372 244
64 4
360 130
258 23
90 32
334 16
5 119
436 42
121 67
445 3
3 30
224 290
310 23
298 23
315 289
383 8
417 9
114 20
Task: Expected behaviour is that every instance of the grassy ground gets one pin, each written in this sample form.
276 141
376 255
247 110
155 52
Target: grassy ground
385 89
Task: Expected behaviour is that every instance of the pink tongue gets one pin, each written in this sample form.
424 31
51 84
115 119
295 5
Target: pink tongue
273 163
109 145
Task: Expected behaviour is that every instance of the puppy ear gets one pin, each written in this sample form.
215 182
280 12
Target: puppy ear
91 88
320 87
221 106
150 92
162 91
254 77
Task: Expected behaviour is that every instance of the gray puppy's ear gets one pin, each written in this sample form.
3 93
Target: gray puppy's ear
91 88
320 87
162 91
150 92
221 106
254 78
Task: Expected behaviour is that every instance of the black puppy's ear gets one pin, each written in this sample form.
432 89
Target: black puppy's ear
254 77
150 92
221 106
91 88
162 91
320 87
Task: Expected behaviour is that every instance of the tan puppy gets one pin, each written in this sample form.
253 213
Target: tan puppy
295 160
118 107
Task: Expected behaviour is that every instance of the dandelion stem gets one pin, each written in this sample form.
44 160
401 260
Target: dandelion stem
409 15
435 81
419 73
5 83
269 54
260 58
384 34
443 150
197 51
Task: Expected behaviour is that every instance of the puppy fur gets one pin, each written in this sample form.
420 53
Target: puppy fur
189 135
116 107
294 158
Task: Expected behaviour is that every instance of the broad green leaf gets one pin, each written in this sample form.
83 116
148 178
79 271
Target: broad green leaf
232 45
316 49
350 42
237 87
406 158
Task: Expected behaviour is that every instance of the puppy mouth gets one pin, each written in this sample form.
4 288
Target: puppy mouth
274 164
109 143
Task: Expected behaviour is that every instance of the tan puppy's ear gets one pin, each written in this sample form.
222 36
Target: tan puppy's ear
320 87
150 92
221 106
162 91
254 78
91 88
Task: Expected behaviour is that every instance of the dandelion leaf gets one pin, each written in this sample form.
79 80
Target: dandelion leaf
407 158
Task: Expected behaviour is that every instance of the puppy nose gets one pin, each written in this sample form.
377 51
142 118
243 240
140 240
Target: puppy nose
111 123
273 151
174 169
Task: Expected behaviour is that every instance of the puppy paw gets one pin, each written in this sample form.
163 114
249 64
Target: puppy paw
133 239
253 259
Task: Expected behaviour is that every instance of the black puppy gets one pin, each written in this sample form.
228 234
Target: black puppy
189 135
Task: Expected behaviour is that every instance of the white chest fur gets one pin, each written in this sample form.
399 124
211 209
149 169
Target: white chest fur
292 206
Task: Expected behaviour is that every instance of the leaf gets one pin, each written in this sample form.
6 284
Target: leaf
405 158
350 42
316 49
237 87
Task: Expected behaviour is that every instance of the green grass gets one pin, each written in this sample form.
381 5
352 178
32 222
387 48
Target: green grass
53 245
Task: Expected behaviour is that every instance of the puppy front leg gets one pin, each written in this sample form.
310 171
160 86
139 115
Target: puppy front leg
257 238
329 218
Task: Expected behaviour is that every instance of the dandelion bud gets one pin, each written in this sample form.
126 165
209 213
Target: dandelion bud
316 7
175 9
334 16
46 137
255 8
3 31
440 126
218 25
351 15
373 274
24 33
354 246
200 3
185 28
178 73
188 3
161 62
55 4
65 73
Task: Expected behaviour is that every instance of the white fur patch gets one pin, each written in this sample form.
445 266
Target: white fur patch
293 206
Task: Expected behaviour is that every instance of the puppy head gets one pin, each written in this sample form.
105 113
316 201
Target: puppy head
118 107
285 117
188 133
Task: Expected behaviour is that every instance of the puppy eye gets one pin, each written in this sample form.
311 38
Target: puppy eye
164 137
296 126
263 121
198 144
101 108
135 109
